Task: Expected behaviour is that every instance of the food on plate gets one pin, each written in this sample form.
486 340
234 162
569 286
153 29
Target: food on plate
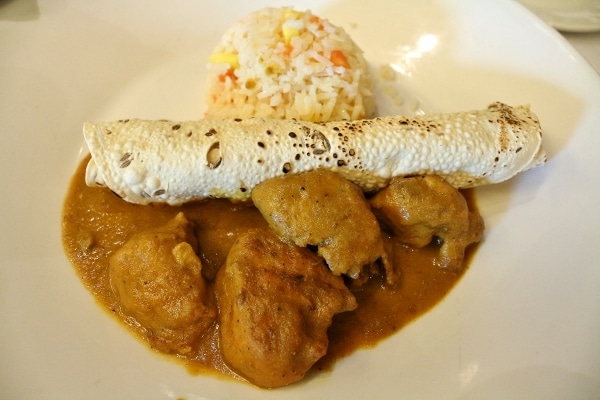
290 228
322 209
102 235
157 280
282 63
151 161
421 209
276 302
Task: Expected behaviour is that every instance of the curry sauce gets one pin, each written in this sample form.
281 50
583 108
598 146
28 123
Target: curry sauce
96 223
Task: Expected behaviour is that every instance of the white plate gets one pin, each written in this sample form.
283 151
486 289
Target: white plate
568 15
523 323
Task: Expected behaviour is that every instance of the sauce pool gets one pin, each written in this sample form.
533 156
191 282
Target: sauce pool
96 223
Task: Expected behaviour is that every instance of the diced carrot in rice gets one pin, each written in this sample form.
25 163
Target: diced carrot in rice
339 59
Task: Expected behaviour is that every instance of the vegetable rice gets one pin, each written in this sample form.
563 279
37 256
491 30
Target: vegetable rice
281 63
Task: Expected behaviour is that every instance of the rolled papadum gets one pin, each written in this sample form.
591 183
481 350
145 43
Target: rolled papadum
176 162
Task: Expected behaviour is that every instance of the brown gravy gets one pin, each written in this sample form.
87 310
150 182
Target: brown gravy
96 223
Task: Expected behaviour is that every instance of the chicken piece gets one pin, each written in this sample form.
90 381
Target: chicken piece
276 302
421 208
156 276
320 208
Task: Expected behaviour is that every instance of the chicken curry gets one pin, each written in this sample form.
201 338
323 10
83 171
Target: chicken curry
269 290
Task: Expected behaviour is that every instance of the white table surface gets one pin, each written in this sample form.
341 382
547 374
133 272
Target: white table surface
588 44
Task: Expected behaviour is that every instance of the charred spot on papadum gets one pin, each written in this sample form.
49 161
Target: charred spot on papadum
213 156
318 141
126 160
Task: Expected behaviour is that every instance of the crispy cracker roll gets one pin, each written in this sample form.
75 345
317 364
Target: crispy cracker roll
177 162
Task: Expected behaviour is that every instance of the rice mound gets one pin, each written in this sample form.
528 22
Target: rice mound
281 63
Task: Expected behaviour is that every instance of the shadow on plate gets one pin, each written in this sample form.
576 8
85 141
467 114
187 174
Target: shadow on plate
19 10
